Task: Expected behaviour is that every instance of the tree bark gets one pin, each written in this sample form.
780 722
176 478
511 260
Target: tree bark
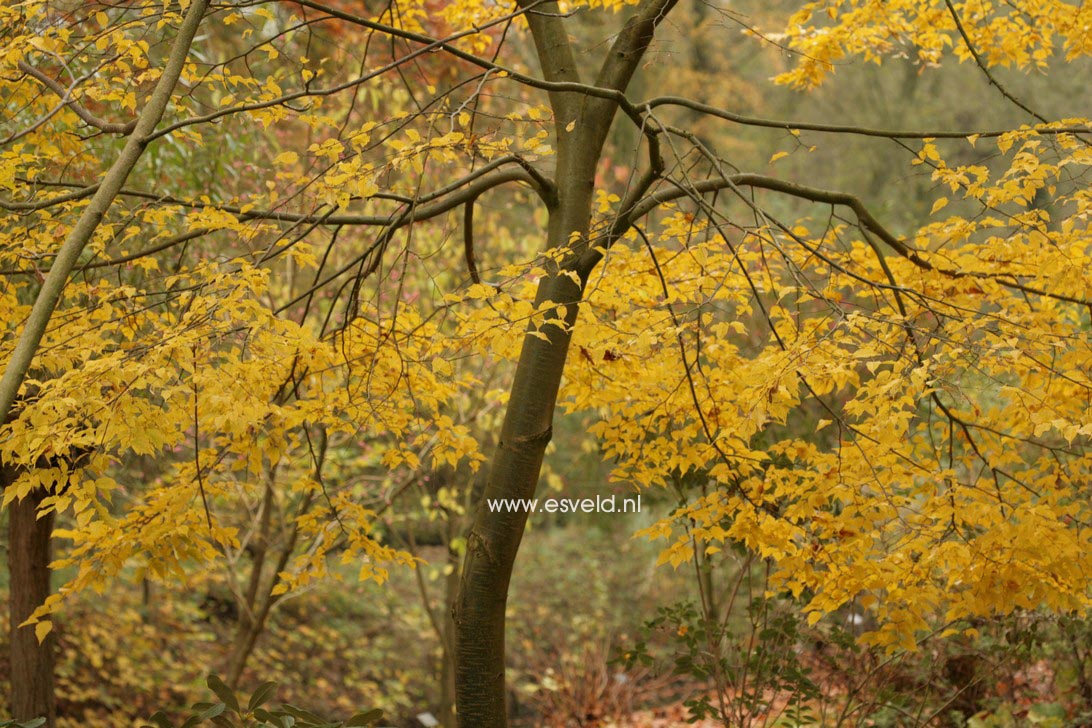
494 538
32 694
581 126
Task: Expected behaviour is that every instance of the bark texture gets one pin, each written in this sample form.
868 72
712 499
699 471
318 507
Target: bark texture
29 557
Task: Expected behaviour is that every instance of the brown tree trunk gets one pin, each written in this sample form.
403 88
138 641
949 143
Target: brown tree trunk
456 527
581 126
29 556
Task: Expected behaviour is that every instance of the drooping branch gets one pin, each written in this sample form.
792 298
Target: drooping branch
411 215
854 129
986 69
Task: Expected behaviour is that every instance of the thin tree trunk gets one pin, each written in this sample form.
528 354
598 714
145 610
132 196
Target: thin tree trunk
455 529
32 694
50 294
28 554
259 599
246 638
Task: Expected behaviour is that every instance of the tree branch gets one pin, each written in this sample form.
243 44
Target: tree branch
104 197
468 241
411 216
984 68
76 194
81 111
789 125
865 219
445 45
474 183
619 66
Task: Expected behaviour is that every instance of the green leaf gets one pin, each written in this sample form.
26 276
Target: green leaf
366 718
160 719
213 711
223 692
263 693
265 716
303 715
207 711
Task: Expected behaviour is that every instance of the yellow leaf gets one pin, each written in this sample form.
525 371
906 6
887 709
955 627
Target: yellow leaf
42 629
778 156
939 204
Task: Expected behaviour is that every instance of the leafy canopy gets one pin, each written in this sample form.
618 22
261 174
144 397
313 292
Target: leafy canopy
901 419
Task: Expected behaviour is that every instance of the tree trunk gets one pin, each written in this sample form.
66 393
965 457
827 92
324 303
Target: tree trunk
15 371
494 537
581 126
28 567
456 526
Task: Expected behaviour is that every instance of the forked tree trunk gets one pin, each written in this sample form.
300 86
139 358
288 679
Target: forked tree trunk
29 556
581 126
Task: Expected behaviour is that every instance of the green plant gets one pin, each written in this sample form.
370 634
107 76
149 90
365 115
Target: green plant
228 712
755 669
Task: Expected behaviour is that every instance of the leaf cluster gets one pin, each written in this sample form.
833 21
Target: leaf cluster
229 712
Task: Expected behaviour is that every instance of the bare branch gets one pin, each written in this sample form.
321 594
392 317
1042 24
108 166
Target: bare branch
789 125
76 194
109 127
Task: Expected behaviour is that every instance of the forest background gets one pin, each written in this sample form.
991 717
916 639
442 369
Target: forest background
290 289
